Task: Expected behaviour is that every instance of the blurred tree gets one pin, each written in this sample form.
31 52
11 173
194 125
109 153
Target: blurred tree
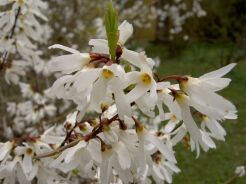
224 22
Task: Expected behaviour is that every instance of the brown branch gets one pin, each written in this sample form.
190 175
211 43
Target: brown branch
56 151
231 179
71 131
86 138
173 77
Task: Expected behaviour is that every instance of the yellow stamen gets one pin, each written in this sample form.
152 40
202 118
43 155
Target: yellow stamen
180 97
204 118
183 83
139 129
20 2
104 106
107 73
105 128
173 118
145 78
75 172
29 151
106 148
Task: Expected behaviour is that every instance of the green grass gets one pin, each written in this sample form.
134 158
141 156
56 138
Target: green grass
217 165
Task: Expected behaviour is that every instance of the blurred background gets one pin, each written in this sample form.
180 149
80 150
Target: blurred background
184 37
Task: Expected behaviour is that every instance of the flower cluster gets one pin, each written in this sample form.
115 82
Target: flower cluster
18 165
116 144
35 109
19 27
23 31
178 12
127 121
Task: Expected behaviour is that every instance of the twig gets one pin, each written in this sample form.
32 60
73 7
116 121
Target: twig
56 151
231 179
173 77
86 138
234 177
71 131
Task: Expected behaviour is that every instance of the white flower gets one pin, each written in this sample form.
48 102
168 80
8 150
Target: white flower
146 138
123 106
197 137
171 124
161 169
165 98
68 63
12 171
106 82
26 90
27 152
202 93
125 31
50 136
5 149
17 70
240 171
116 156
62 87
143 82
73 157
217 131
47 175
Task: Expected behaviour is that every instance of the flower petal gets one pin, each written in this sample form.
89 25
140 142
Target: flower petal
122 103
123 156
85 78
99 46
220 72
126 31
68 49
69 63
132 57
137 92
163 148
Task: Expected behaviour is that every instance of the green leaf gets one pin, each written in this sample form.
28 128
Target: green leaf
111 25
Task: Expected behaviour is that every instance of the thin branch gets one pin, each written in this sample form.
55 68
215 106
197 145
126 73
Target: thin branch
71 131
56 151
231 179
86 138
171 77
234 177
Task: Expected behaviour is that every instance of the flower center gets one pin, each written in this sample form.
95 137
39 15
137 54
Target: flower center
173 118
145 78
107 73
29 151
183 83
20 2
